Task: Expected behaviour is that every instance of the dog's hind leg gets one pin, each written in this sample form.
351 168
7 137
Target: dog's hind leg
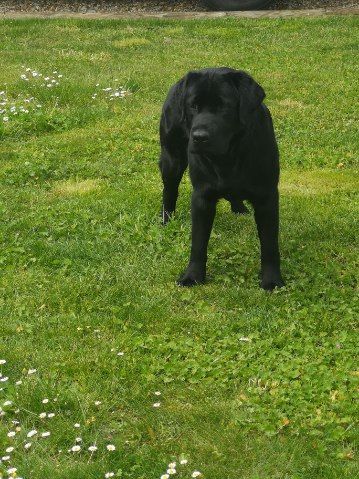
238 207
172 169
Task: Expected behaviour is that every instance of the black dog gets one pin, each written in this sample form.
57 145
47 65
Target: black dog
214 120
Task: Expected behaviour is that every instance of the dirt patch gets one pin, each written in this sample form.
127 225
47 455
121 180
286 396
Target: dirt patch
149 6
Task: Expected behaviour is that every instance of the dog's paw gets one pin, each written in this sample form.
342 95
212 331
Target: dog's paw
192 277
271 278
165 216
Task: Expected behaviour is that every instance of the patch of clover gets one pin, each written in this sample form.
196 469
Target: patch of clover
22 440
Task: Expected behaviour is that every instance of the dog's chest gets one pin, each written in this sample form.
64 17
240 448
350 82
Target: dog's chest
226 181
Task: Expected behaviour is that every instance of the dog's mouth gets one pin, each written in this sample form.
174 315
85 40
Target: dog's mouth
196 148
208 148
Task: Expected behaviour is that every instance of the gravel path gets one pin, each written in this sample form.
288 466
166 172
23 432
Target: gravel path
140 6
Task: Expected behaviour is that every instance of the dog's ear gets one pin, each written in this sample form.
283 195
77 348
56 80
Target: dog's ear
185 83
174 111
250 94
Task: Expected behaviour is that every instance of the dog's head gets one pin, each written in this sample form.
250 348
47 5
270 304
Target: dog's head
216 106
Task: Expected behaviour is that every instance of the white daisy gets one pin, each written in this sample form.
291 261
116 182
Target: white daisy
110 447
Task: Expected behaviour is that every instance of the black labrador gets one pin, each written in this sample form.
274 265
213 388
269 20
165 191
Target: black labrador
214 120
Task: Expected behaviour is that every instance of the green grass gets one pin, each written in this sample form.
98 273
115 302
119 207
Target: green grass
87 270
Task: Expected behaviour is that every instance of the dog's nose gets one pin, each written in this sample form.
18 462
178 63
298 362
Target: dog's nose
200 136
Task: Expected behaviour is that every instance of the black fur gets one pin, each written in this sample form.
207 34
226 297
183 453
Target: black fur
214 120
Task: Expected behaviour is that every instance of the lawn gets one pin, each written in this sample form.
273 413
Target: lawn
99 347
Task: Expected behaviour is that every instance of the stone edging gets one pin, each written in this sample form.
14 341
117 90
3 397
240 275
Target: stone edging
186 15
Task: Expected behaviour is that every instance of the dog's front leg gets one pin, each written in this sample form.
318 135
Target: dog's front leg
203 210
266 214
